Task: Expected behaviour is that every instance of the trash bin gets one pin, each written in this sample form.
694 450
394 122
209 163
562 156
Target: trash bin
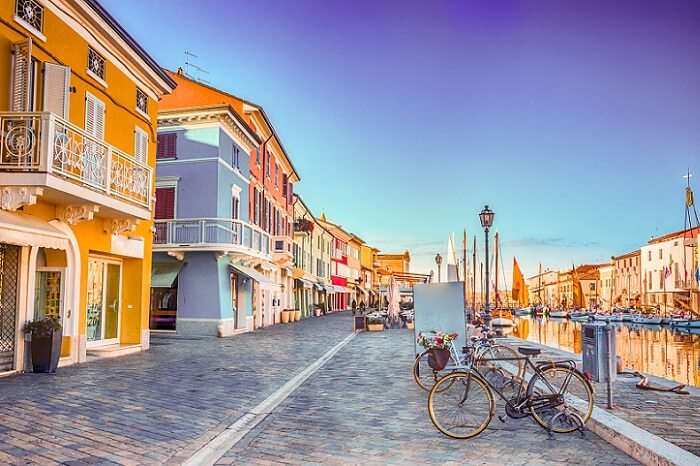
599 358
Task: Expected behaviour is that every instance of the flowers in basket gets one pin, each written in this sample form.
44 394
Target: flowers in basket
436 340
437 344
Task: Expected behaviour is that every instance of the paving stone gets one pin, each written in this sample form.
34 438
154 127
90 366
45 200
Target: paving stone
363 407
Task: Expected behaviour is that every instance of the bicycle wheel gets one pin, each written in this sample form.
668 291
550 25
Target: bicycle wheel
558 395
423 374
461 405
498 373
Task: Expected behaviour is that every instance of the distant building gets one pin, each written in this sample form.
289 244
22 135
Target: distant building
543 288
668 270
606 285
387 264
627 279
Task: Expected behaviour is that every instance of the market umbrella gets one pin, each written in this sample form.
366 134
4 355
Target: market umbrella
394 298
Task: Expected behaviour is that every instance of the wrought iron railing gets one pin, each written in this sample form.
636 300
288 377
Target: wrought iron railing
44 142
209 232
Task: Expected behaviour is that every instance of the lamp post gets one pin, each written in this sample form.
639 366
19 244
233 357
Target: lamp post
438 262
486 218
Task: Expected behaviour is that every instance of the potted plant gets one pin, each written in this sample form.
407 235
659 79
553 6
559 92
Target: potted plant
409 323
46 337
317 311
375 323
284 315
297 314
438 346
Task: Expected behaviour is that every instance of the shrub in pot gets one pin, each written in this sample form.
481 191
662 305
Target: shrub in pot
297 314
285 316
375 323
46 337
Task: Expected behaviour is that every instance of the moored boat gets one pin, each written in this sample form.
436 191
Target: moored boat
601 317
559 313
502 318
616 317
526 311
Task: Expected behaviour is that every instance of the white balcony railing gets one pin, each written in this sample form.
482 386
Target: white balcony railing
205 232
43 142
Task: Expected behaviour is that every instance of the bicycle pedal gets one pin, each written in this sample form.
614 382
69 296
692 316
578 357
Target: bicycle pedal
502 418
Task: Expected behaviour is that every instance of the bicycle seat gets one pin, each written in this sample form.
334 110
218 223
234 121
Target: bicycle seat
529 351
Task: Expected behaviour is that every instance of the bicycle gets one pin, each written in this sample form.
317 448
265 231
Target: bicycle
558 397
482 349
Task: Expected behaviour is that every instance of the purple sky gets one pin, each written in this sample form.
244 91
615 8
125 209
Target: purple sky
574 122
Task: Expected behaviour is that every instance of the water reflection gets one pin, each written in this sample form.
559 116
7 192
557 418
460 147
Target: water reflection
652 349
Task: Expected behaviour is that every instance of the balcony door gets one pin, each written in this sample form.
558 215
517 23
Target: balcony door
103 301
94 161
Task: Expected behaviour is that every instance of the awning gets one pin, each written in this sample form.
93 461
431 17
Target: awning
340 289
305 283
163 274
27 230
252 273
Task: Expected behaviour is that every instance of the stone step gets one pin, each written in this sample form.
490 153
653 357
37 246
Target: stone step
112 351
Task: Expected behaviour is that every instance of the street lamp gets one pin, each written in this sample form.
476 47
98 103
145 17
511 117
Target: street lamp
438 261
486 218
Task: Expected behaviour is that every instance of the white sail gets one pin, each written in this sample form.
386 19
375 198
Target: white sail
452 262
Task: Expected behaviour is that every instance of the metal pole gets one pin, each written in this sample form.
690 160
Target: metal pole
487 309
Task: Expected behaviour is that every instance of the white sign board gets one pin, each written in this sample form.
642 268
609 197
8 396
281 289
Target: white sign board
440 307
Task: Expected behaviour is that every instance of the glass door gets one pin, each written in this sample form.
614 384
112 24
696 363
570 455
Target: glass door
48 294
103 306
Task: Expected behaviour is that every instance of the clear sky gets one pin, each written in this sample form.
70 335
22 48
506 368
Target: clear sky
574 122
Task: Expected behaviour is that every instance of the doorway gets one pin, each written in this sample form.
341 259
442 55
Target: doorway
103 301
9 273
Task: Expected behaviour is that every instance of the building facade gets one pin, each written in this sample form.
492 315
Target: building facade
628 279
224 218
311 249
668 268
368 273
606 286
544 288
77 119
358 293
340 272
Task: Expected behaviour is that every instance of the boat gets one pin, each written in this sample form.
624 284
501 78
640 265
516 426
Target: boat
502 318
601 317
579 316
526 311
679 322
616 317
559 313
694 323
647 320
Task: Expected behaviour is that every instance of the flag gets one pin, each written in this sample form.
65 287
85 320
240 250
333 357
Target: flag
519 287
667 272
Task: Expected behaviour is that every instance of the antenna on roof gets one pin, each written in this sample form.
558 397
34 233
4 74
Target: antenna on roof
198 69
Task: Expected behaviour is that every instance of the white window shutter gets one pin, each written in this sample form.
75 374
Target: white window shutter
56 89
20 87
94 117
140 145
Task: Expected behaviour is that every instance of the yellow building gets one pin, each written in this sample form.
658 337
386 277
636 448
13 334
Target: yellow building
387 264
78 105
368 272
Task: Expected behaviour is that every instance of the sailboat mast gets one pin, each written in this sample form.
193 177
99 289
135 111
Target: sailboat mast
464 268
496 257
474 276
539 284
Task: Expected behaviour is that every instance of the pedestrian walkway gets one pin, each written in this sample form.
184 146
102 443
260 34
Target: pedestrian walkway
154 407
363 407
673 417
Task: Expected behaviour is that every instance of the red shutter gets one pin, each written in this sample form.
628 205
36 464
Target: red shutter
165 203
166 147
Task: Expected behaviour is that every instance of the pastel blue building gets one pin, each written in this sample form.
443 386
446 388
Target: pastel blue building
208 255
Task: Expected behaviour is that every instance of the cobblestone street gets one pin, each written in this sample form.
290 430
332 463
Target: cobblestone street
159 407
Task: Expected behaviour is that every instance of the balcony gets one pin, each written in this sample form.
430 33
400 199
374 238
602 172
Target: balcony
70 167
282 249
210 234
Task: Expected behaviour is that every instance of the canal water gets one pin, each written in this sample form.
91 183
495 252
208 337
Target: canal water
656 350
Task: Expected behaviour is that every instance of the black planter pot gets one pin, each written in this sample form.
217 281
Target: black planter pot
46 351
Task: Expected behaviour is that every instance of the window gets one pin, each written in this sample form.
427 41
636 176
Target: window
165 203
649 252
284 185
277 170
31 13
661 253
235 156
96 64
235 207
257 156
56 89
141 101
140 145
23 77
267 164
167 146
